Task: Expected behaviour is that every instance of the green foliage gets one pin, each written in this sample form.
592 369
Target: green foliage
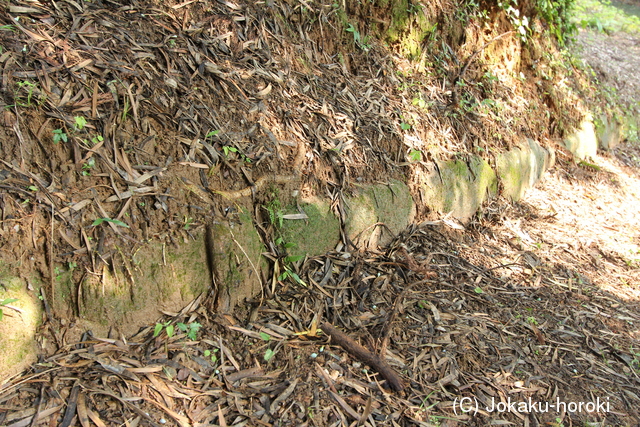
5 302
59 135
94 140
188 222
25 95
276 213
228 149
520 23
113 221
212 355
168 328
212 133
361 42
415 155
603 17
265 336
80 123
557 14
190 329
268 355
86 168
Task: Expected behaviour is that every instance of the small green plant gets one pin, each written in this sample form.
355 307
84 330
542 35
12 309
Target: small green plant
30 89
361 42
415 155
86 167
4 302
80 123
419 102
405 126
228 149
191 329
167 326
288 270
265 336
478 290
188 222
93 141
211 134
276 214
557 13
532 320
59 135
268 354
113 221
212 354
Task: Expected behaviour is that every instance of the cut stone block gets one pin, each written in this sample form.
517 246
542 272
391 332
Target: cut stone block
583 143
377 213
235 251
459 187
609 132
521 167
316 235
157 276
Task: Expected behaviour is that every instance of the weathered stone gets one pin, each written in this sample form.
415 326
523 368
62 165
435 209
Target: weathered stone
317 234
156 276
521 167
377 213
583 143
235 250
609 132
17 329
459 187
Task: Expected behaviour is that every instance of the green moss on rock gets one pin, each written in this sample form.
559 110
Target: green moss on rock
316 235
521 167
459 187
378 212
236 249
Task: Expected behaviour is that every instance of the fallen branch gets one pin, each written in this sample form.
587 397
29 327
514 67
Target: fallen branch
364 355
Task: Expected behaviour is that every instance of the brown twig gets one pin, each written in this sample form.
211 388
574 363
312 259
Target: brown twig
364 355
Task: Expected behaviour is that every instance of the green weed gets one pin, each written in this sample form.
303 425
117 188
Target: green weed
191 329
30 99
212 355
59 135
361 42
113 221
86 168
4 302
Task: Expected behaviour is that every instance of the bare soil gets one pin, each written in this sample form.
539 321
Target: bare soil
534 300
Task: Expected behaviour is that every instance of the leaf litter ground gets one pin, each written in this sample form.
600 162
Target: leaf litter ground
536 300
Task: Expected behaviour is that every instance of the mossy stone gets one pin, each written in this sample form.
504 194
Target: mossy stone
521 167
236 251
459 187
156 275
316 235
376 213
17 329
